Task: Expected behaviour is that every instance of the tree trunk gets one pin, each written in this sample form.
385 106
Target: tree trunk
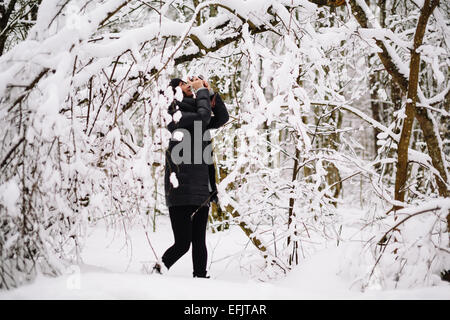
375 106
410 110
5 14
294 256
425 122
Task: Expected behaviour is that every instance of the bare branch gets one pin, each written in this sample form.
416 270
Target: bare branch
5 160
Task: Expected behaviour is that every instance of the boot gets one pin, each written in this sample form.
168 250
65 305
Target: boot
202 275
160 268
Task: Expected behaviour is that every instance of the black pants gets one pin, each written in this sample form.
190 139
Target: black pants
185 231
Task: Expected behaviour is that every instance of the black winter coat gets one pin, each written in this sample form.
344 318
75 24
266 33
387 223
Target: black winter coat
196 179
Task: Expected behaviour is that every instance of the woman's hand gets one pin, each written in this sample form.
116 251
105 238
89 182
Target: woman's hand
196 83
206 84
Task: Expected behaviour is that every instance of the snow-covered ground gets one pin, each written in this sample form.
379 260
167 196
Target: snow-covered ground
112 269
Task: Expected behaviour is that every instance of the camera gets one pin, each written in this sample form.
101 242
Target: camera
199 76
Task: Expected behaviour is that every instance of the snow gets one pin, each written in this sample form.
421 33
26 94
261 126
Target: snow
383 34
178 96
112 269
9 194
177 135
177 116
277 77
174 180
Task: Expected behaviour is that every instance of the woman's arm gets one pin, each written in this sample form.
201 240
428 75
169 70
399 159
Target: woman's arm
188 118
221 115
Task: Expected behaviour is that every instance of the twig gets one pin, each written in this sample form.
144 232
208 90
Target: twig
383 239
154 252
29 87
3 163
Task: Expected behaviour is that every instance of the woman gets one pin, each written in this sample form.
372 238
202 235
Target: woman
190 183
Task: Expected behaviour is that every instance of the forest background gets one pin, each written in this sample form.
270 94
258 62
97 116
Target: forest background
334 105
